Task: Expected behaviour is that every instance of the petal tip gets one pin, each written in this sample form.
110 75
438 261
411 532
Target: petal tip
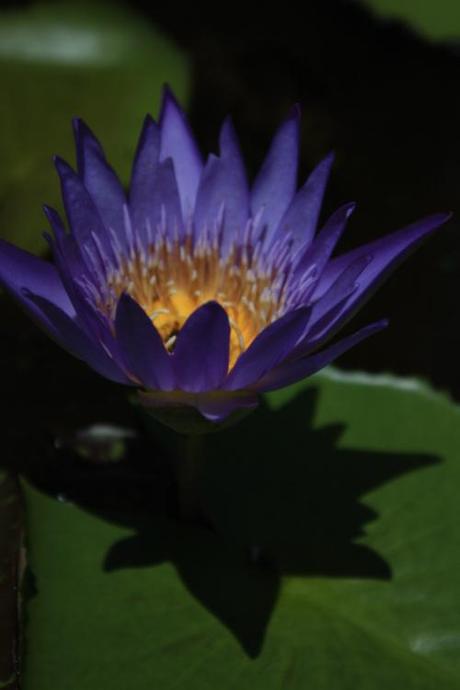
328 160
124 301
444 216
49 211
295 113
214 306
168 100
48 239
61 165
350 208
227 135
76 125
148 122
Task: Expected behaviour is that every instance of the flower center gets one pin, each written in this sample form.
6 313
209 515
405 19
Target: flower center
172 279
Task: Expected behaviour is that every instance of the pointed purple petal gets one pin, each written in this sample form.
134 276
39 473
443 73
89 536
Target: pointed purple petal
143 178
99 178
68 261
207 208
386 254
141 346
223 187
393 247
315 258
301 218
345 285
68 333
21 271
275 185
202 348
66 252
268 349
236 189
56 223
82 214
73 272
165 202
290 372
326 312
216 408
178 143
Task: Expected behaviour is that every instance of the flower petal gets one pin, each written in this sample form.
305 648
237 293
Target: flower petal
275 185
166 212
84 218
386 254
21 271
268 349
141 346
76 278
143 178
301 218
325 311
223 188
292 371
178 143
71 337
99 178
74 265
201 353
67 256
312 262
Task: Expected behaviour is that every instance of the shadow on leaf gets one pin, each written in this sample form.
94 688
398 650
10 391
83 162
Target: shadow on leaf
280 497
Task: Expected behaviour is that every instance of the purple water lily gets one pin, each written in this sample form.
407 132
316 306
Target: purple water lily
194 287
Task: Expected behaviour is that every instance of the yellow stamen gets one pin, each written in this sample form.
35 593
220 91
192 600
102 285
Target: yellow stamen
171 280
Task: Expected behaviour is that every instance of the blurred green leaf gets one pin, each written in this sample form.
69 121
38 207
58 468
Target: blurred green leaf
439 20
57 61
334 562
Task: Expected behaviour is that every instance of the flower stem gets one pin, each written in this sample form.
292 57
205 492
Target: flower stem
189 474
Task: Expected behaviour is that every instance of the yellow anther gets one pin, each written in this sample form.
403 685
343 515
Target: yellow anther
171 280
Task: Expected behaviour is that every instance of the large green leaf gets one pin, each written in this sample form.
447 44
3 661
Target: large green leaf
334 562
60 60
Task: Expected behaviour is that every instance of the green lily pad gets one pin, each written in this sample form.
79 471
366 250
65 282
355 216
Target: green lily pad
58 60
333 563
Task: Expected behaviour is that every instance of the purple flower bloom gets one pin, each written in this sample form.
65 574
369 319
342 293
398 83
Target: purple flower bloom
195 287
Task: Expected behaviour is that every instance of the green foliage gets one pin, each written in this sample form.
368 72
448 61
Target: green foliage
333 562
60 60
437 20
